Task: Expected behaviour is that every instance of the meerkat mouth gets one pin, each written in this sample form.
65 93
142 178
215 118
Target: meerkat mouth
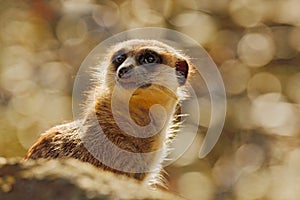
134 85
145 85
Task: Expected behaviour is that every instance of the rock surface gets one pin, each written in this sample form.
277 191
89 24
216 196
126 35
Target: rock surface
68 179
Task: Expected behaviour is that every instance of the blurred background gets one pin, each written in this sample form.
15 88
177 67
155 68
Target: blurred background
255 44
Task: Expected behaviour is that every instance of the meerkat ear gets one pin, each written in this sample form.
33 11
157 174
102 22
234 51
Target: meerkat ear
182 70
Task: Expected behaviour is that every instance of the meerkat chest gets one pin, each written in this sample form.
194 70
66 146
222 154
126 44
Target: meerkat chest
146 111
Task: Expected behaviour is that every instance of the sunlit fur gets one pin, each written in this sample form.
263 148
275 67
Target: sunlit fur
82 139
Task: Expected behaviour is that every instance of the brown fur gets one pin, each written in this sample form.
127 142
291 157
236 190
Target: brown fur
69 140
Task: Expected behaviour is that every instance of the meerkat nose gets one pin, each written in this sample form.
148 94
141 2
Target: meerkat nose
125 71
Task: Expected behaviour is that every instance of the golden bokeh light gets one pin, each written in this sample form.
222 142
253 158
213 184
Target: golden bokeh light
247 13
225 173
252 185
284 178
190 155
106 15
235 76
271 112
195 185
255 44
262 83
294 38
256 49
71 30
223 46
249 157
284 50
288 12
292 88
186 21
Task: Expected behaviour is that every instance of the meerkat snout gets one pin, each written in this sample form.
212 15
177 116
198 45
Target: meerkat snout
125 71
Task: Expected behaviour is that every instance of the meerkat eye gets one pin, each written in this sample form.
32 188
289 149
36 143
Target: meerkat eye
148 58
118 60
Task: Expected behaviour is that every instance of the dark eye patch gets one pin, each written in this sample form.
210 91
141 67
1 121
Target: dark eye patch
118 58
148 57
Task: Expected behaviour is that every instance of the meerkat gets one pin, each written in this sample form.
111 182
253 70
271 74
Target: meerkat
121 130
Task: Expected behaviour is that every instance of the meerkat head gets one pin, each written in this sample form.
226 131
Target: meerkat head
146 64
